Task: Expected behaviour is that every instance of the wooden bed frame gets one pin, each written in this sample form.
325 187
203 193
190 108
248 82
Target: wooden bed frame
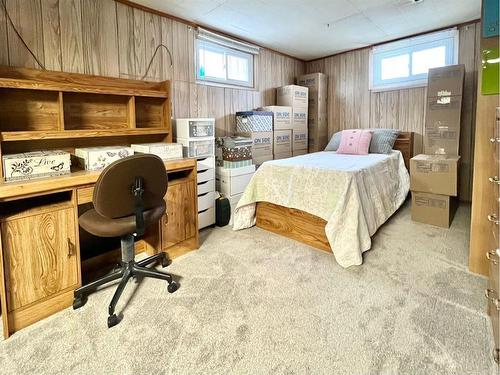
304 227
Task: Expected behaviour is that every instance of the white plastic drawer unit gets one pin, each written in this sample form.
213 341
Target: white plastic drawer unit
194 127
206 163
197 148
205 187
206 175
206 200
206 217
230 186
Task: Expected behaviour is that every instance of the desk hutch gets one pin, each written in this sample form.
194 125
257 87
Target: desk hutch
44 255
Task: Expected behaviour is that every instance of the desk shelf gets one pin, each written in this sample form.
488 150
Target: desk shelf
71 134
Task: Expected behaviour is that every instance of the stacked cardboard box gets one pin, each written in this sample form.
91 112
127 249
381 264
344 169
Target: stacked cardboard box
434 174
282 130
295 97
318 109
257 125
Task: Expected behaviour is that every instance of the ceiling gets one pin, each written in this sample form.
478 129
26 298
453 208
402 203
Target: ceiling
310 29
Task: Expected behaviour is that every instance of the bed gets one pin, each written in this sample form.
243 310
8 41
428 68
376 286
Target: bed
330 201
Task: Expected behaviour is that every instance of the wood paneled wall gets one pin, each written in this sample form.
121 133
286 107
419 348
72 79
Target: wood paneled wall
352 105
103 37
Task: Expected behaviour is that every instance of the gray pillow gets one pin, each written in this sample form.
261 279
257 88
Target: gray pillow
383 141
334 143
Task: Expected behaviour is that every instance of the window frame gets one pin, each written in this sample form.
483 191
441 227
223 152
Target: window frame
448 38
250 84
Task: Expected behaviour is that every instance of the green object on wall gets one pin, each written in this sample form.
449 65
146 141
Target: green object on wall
490 84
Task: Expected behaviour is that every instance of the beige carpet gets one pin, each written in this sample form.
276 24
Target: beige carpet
253 303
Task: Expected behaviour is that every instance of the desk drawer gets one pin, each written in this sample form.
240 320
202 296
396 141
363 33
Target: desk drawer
205 187
206 201
207 175
84 195
206 163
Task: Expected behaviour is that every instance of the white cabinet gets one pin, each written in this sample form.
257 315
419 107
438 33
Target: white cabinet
232 182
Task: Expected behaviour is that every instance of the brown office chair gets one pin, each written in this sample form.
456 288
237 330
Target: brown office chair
128 197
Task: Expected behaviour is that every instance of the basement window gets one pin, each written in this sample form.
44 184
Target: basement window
405 63
222 60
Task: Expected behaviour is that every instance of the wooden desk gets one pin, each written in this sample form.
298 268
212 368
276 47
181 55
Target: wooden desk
40 257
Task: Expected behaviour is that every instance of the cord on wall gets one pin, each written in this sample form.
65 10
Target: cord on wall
152 58
19 35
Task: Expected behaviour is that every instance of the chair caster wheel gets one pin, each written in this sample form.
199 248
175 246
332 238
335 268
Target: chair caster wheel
113 320
165 262
79 301
172 287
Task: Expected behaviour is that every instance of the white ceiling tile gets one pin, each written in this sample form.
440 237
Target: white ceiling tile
299 27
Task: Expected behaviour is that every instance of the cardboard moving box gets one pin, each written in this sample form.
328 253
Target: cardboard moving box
283 155
442 125
437 174
293 96
316 82
282 142
299 139
433 209
299 118
261 141
282 116
446 81
299 152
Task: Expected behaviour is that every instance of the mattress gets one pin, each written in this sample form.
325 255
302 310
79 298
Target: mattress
354 194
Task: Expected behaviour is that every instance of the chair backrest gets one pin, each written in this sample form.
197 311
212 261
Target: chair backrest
113 196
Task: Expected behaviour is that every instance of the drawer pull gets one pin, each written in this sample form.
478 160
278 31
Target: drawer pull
492 256
495 140
494 219
71 248
488 294
494 180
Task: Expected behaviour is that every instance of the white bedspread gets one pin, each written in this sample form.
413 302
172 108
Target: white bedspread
355 194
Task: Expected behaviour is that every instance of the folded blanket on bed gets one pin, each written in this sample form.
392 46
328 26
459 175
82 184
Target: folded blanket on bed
354 194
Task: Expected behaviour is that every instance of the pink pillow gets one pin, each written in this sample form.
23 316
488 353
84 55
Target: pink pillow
355 142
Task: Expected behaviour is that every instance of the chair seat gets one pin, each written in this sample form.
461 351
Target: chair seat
101 226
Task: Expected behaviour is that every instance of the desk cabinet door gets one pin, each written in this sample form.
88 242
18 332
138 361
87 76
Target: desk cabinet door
181 211
40 256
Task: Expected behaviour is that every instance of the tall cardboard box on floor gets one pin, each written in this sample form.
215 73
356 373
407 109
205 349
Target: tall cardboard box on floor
436 174
433 209
317 83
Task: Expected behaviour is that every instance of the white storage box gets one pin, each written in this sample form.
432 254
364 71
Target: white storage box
165 151
233 181
254 121
95 158
197 147
293 96
36 164
194 127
